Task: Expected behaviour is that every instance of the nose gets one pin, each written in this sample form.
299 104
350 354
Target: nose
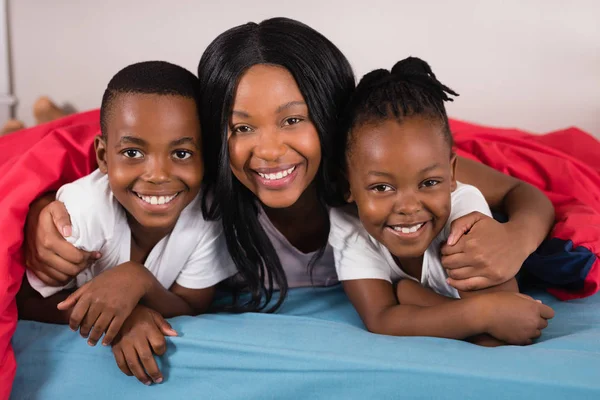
270 146
407 203
157 170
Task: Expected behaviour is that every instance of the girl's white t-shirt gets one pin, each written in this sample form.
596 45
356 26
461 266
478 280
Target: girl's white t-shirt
359 256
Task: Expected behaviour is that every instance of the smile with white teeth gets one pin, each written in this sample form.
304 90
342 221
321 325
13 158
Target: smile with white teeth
278 175
157 200
408 229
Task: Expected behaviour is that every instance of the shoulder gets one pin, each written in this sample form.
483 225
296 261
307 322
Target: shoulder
91 204
345 224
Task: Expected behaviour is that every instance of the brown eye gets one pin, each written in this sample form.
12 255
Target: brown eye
242 129
381 188
132 153
182 154
430 183
292 121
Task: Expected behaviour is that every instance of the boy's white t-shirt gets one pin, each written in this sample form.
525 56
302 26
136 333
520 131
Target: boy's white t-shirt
359 256
194 255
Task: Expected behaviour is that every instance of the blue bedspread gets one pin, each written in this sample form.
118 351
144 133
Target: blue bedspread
316 347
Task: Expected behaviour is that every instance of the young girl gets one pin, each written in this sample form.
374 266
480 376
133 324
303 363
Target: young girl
400 169
271 96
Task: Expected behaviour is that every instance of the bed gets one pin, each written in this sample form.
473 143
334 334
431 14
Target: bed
318 348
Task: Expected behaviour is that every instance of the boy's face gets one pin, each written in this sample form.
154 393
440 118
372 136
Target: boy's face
401 177
152 155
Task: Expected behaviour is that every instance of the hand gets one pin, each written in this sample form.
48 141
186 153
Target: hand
54 260
143 333
105 302
513 317
481 253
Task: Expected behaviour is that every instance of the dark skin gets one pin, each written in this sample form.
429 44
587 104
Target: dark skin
401 176
151 149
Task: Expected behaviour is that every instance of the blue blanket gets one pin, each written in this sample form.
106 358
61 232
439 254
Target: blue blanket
317 348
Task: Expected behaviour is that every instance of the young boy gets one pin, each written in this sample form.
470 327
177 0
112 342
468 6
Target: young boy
141 209
400 170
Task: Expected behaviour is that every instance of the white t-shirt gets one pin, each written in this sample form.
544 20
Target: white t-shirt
359 256
194 254
295 263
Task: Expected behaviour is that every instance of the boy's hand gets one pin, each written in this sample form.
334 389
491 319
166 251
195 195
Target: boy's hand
143 333
105 302
480 253
513 317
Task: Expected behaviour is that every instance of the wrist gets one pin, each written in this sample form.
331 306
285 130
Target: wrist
141 275
479 313
525 240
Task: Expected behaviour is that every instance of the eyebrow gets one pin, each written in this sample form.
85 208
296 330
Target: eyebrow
388 175
290 104
184 140
278 110
132 140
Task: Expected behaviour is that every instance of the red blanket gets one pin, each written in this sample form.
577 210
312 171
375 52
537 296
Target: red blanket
564 164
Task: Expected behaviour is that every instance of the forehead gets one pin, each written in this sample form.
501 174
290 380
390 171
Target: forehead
264 86
148 114
413 141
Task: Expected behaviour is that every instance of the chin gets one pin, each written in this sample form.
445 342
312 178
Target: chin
278 201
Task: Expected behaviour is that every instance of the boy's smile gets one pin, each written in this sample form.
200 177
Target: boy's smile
152 157
401 177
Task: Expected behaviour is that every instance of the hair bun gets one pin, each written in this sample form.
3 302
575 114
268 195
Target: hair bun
412 66
374 78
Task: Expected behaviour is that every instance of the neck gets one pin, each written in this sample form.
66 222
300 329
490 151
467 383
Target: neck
304 224
413 266
144 238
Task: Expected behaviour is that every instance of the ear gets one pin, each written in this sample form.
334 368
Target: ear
453 159
100 148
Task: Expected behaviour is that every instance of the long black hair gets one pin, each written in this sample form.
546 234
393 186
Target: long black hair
326 81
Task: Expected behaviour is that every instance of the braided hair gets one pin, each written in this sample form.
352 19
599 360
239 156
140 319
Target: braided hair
410 89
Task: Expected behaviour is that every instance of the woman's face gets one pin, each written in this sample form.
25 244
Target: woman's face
274 147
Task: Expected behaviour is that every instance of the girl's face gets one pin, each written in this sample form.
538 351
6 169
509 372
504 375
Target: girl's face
274 147
401 177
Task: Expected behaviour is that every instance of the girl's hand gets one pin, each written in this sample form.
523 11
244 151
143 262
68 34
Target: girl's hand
54 260
105 302
481 252
513 317
143 333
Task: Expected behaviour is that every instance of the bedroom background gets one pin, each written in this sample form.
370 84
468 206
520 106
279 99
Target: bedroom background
530 64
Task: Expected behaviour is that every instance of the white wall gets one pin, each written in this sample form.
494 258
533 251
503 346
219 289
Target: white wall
533 64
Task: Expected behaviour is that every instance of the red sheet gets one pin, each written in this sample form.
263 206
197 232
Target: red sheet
564 164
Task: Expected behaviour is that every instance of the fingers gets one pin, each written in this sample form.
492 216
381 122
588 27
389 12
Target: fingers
149 363
100 326
113 330
525 296
462 273
461 226
92 315
457 248
42 267
45 278
135 366
470 284
60 217
546 312
158 343
121 362
453 261
537 334
542 324
163 325
73 298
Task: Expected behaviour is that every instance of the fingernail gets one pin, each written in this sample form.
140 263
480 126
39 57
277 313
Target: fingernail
104 344
147 383
97 255
66 231
91 343
159 380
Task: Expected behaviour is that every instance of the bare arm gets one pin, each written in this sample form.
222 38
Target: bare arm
409 292
530 212
177 300
33 307
511 317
